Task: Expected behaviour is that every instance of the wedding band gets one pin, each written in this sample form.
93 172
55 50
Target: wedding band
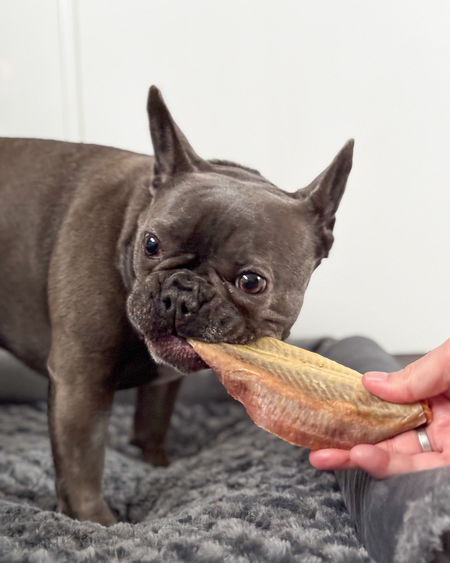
424 440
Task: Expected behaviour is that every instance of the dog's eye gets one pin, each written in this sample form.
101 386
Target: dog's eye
152 246
251 283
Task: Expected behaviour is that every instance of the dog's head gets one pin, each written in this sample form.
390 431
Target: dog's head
221 254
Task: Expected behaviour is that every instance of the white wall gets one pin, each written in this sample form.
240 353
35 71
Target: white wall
30 79
279 86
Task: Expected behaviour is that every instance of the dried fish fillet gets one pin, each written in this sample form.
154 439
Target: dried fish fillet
304 398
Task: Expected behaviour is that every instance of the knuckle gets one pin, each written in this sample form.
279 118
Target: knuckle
390 446
446 358
407 382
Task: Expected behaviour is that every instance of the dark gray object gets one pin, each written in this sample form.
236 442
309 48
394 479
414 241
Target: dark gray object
406 518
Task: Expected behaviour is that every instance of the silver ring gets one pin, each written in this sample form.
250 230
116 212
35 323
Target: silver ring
424 440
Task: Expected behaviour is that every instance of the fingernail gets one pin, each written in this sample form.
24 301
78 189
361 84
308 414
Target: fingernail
376 376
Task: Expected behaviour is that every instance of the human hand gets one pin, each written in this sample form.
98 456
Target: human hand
427 378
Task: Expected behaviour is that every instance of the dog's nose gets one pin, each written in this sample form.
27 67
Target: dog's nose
180 297
179 305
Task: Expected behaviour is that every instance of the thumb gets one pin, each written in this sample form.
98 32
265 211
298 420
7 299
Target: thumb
422 379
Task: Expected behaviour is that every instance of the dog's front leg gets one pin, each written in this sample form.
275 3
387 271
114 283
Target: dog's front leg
154 407
79 409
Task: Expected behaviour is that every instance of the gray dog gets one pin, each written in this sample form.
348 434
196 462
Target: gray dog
110 260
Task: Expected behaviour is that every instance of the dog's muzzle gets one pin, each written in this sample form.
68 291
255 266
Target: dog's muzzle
172 306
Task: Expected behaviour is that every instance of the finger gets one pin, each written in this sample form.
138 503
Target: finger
330 459
422 379
382 464
406 443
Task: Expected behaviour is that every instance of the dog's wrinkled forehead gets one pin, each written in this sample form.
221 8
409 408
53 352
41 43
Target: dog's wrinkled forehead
210 213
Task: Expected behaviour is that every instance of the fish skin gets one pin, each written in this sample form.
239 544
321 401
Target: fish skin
306 399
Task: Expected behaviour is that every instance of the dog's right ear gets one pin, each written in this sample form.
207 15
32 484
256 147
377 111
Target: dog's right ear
173 153
324 194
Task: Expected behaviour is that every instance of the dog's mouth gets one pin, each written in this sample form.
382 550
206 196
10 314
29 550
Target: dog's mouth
176 352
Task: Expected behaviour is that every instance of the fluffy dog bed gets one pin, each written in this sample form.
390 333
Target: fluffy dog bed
232 493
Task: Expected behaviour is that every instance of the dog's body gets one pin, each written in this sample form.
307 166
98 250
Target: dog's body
106 255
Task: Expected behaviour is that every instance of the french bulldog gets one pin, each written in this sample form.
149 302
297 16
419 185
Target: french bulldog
111 260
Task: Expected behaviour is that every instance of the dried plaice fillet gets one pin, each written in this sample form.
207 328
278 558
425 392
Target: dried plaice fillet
304 398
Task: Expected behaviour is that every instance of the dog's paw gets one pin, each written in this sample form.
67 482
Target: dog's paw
158 458
152 453
99 513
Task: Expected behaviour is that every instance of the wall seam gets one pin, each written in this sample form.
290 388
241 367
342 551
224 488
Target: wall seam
71 75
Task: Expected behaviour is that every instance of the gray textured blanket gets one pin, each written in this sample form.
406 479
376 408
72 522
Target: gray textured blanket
232 493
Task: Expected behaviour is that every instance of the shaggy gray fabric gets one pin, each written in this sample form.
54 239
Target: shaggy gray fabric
232 493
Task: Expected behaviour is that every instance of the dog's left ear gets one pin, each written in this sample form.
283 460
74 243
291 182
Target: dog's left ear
324 194
173 153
